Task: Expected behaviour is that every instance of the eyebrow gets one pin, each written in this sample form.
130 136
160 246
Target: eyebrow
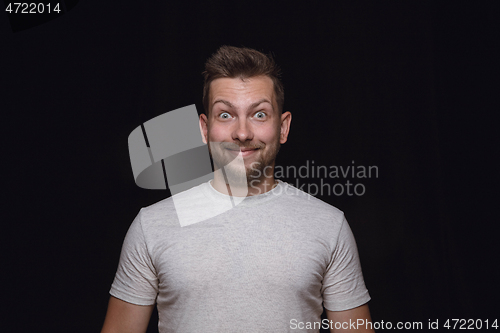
263 100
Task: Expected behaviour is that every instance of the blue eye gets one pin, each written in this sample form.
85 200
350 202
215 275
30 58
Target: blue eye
224 115
260 115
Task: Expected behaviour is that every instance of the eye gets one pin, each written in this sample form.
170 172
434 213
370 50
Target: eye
224 115
260 115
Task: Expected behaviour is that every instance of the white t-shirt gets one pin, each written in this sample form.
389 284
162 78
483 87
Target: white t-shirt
272 260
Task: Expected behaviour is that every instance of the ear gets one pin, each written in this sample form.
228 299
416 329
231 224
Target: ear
286 119
204 128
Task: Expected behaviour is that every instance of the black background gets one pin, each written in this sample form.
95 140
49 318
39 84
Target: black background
409 87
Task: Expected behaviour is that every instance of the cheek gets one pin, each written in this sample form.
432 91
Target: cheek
270 133
215 133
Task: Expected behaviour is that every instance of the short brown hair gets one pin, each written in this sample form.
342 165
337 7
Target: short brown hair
241 62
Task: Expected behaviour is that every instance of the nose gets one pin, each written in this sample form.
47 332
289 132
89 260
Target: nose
243 131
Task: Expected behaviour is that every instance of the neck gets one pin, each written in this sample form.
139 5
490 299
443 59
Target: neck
254 187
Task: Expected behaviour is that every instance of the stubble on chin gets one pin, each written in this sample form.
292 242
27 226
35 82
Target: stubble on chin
234 169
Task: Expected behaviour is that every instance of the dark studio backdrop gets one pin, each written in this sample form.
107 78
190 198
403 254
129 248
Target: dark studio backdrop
408 87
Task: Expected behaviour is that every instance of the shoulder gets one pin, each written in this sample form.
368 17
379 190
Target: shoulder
304 204
164 212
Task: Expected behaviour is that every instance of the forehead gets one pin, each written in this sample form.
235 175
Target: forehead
242 91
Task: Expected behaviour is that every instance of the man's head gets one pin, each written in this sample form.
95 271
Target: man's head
243 100
243 63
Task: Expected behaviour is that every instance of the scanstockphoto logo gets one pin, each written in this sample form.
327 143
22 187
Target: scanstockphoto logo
168 152
321 180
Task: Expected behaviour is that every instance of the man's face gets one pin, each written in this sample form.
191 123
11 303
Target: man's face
244 119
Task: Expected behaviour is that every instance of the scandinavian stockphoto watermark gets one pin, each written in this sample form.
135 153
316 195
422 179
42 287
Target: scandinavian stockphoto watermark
363 324
319 180
354 325
168 152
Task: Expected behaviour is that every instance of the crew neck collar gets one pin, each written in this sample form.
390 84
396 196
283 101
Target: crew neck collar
217 196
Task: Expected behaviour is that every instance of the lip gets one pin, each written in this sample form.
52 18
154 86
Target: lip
244 151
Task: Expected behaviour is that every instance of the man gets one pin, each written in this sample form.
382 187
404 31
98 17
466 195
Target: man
269 263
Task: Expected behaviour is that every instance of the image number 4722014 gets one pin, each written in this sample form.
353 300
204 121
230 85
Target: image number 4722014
26 15
33 8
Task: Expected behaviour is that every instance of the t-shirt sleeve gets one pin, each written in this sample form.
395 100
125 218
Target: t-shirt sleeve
343 285
136 280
